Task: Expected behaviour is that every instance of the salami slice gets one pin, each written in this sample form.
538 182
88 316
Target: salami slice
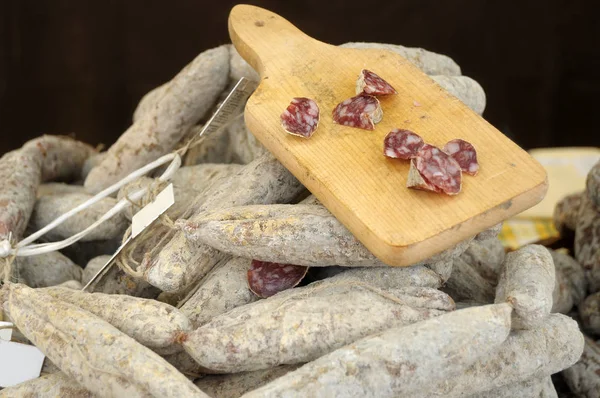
434 170
301 117
402 144
266 279
371 84
464 153
362 111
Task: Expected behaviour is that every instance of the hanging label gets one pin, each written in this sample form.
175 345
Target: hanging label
139 222
152 211
19 363
5 331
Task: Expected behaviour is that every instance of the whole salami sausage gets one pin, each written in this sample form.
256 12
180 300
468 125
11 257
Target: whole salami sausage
362 111
301 117
20 173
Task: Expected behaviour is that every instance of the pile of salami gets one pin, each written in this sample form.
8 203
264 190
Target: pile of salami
250 287
577 217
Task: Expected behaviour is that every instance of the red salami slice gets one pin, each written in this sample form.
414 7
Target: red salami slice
402 144
362 111
436 171
301 117
371 84
266 279
464 153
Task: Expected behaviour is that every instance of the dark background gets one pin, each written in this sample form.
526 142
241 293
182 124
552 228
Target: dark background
80 67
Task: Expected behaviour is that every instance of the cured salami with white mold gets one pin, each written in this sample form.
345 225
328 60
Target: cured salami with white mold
223 289
402 144
435 171
186 100
465 155
50 385
582 378
303 324
266 279
20 173
94 353
362 111
592 185
371 84
181 262
62 157
301 117
566 212
286 234
402 361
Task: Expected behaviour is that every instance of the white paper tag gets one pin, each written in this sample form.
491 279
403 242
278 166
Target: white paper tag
5 334
139 221
152 211
19 363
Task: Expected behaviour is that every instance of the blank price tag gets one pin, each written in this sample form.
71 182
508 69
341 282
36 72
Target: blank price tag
5 334
19 363
152 211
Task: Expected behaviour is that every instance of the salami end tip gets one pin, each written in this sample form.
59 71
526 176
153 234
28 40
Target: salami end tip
370 83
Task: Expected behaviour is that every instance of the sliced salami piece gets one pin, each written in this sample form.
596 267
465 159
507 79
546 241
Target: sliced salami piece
362 111
402 144
464 153
301 117
438 171
371 84
266 279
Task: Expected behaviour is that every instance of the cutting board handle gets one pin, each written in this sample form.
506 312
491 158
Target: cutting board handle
260 36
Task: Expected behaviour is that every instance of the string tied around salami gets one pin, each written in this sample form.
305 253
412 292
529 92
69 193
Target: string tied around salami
222 117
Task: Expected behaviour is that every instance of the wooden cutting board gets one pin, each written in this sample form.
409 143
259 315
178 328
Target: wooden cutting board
345 168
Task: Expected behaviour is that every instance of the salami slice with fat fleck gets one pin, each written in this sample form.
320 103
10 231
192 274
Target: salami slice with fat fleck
301 117
371 84
362 111
402 144
266 279
464 153
434 170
